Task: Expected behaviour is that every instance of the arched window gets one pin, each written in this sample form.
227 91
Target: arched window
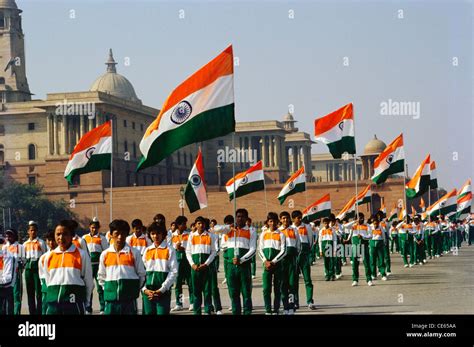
31 152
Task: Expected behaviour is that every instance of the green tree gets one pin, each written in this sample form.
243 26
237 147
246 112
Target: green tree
28 202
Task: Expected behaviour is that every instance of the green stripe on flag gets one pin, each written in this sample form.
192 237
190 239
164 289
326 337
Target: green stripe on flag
191 198
97 162
205 126
248 188
300 187
396 167
423 188
317 215
345 144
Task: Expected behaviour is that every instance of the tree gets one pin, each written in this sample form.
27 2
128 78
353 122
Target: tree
28 202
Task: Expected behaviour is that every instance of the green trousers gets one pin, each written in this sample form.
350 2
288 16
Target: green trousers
17 292
328 258
436 243
376 249
272 279
33 290
404 247
289 277
184 276
360 248
100 290
254 265
419 249
124 307
157 307
428 245
314 252
64 308
201 283
239 282
394 244
304 266
216 296
6 301
386 257
446 242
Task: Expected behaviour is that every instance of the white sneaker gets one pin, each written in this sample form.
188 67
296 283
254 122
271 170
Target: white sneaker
411 265
101 312
224 281
177 308
355 284
378 274
191 307
420 264
370 284
338 276
373 278
87 313
406 265
424 260
437 255
268 313
230 308
384 278
254 277
218 313
311 307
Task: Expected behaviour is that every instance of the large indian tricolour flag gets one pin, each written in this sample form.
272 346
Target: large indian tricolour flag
92 153
195 192
464 201
318 209
348 210
365 196
246 182
433 175
295 184
336 130
444 206
199 109
390 161
420 183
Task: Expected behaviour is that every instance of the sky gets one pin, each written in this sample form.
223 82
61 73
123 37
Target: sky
311 56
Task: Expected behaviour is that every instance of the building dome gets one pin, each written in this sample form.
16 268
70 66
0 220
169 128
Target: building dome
8 4
374 146
113 83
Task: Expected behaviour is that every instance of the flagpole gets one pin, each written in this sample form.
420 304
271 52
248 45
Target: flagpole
235 195
355 170
265 192
404 188
305 190
371 201
111 169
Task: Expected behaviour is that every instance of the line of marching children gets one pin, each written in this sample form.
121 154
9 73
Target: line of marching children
128 261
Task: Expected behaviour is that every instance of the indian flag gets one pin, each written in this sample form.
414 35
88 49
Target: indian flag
420 183
348 210
444 206
393 215
318 210
295 184
402 214
246 182
92 153
195 192
433 176
390 161
199 109
464 201
365 196
336 130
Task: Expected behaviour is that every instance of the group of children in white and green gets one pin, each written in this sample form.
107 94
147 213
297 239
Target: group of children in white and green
131 263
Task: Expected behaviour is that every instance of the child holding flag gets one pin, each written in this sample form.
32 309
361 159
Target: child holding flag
13 248
327 248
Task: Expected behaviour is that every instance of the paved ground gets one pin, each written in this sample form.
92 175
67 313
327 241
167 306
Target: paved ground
442 286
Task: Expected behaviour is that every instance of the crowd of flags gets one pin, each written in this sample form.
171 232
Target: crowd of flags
202 108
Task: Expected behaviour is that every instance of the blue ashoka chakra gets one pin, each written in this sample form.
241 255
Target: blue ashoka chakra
390 158
181 112
244 181
341 125
291 185
89 152
314 209
195 180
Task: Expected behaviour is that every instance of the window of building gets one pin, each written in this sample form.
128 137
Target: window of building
141 127
2 20
220 142
125 146
124 123
31 126
133 125
179 158
2 130
2 80
2 155
31 180
31 152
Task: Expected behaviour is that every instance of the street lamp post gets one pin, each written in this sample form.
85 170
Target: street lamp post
181 190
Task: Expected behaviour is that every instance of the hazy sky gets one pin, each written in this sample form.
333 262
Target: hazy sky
283 61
